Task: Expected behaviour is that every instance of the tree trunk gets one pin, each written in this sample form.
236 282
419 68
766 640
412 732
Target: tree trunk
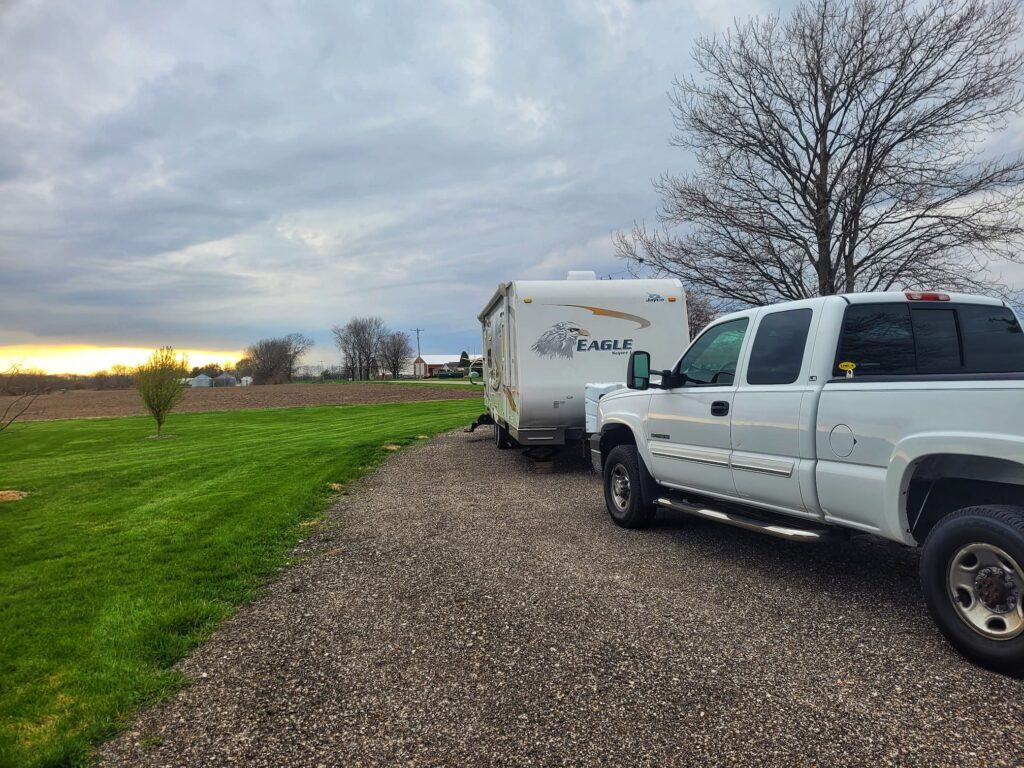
822 223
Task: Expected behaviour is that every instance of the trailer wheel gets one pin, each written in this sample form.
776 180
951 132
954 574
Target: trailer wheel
972 575
502 439
623 488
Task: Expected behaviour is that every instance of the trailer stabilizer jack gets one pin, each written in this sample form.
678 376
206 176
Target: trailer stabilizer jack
481 420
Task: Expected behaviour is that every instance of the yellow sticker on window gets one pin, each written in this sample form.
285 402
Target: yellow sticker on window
849 368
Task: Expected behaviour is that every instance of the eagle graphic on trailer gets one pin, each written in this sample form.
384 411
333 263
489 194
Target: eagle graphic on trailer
545 340
559 340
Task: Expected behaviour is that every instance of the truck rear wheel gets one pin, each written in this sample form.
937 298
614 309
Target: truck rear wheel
502 439
972 575
623 488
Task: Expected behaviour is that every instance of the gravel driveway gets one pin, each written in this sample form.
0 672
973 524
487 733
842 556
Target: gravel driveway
465 611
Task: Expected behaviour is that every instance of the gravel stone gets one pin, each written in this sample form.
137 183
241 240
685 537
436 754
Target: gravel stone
462 610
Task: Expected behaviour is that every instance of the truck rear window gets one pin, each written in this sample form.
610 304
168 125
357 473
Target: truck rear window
878 339
895 339
992 339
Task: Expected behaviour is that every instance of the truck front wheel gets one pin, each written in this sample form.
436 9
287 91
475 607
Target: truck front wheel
623 483
972 575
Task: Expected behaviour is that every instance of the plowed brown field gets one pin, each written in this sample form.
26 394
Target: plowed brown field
74 404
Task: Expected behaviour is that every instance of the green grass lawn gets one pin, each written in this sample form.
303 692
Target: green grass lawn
128 551
455 383
450 383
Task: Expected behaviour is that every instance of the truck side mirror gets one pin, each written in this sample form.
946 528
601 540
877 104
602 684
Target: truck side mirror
638 374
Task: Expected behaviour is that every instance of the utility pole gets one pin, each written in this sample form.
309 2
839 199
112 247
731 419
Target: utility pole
418 331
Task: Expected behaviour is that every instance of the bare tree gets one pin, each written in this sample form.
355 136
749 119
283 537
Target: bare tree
359 341
395 352
700 311
269 361
20 398
244 366
298 345
121 377
839 150
344 340
161 382
273 361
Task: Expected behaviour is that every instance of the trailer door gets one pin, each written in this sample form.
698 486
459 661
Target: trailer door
513 347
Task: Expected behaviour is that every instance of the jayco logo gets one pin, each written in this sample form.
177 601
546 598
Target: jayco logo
655 297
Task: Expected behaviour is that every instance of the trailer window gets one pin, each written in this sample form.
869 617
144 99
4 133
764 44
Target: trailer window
778 351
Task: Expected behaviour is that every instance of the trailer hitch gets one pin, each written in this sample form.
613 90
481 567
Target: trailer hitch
481 420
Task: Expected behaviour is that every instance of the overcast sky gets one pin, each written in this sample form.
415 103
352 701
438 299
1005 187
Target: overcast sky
205 174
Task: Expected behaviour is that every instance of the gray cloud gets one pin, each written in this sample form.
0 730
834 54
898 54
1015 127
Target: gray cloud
208 173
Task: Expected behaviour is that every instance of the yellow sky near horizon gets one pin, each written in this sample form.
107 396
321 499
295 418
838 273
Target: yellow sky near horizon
86 359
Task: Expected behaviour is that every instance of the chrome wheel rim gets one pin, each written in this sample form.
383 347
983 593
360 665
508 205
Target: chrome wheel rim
985 586
620 487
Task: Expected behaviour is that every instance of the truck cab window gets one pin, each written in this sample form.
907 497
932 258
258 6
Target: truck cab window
993 341
955 338
878 339
712 358
778 351
937 340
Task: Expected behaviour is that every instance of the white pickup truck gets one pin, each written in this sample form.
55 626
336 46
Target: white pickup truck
894 414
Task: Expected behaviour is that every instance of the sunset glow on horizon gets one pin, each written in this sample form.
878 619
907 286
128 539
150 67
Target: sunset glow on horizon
85 359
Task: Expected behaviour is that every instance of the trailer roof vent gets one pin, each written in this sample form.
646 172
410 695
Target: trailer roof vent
581 274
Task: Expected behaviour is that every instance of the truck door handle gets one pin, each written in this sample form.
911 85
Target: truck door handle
720 408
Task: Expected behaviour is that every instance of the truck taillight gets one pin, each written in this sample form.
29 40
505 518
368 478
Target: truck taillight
926 296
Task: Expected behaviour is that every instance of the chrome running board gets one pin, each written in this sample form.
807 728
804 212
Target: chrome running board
750 523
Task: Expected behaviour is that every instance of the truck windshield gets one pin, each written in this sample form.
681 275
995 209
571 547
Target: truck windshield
897 338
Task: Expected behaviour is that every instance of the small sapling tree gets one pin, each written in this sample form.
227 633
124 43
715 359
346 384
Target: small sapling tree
161 383
20 401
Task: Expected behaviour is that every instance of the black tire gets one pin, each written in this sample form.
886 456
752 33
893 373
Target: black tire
502 439
627 505
951 544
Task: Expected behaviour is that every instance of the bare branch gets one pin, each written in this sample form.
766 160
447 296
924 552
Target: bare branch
20 402
838 149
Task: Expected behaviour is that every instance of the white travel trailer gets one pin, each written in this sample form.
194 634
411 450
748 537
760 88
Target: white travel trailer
545 340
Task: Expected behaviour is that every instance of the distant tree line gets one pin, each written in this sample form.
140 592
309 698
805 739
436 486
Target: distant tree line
370 349
20 381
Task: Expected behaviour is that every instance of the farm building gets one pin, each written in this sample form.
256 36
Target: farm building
202 380
225 380
425 366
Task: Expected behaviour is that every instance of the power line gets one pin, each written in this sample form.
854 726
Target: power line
418 331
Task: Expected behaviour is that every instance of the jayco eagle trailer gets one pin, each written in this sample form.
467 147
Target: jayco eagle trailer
544 340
